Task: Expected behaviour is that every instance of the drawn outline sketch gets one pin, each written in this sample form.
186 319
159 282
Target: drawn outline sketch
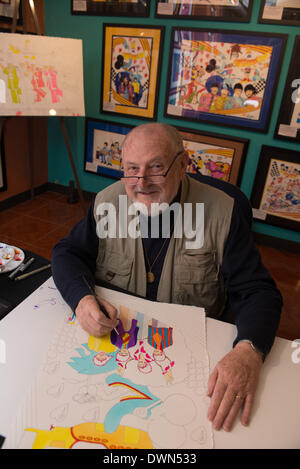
136 406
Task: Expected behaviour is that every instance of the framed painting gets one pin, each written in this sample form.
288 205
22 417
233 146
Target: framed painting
220 10
103 142
276 191
221 77
131 69
110 7
215 155
280 12
288 122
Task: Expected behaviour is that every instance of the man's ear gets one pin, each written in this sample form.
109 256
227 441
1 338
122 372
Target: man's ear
184 162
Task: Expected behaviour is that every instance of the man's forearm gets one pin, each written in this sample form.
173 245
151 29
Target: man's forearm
74 257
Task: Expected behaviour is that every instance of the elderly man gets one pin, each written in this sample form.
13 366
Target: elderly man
224 266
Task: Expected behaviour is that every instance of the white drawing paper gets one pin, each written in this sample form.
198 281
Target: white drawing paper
145 388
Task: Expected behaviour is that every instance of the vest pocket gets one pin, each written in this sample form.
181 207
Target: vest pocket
114 270
198 282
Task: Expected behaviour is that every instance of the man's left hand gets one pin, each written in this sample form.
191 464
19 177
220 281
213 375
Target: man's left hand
232 386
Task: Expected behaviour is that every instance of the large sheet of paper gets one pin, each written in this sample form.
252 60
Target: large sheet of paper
40 76
143 388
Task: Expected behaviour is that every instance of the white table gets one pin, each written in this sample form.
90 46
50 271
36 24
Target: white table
276 417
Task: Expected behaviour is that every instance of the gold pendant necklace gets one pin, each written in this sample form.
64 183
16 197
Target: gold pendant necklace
150 277
150 274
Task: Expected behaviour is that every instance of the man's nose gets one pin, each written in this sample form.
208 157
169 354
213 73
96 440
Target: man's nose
142 181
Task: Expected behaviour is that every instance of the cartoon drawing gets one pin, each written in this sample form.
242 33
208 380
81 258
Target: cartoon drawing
130 71
281 195
142 397
59 437
218 77
124 390
209 160
93 363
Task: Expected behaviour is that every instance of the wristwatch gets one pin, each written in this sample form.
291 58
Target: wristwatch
253 347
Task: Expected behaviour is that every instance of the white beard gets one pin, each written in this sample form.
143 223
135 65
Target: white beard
155 209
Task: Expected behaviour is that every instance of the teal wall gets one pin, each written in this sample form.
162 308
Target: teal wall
60 23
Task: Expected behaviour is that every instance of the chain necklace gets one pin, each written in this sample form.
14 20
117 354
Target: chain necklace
150 274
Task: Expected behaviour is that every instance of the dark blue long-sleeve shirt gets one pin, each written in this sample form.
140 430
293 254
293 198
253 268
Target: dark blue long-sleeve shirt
253 296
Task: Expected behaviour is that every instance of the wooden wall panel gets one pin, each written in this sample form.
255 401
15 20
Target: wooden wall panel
17 135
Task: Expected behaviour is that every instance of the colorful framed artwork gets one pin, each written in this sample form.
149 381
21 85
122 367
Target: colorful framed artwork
276 191
110 7
288 122
280 12
103 142
216 10
215 155
131 69
226 78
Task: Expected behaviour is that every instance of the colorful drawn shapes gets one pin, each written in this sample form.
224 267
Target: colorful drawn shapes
58 437
140 396
85 363
101 343
13 83
123 438
15 51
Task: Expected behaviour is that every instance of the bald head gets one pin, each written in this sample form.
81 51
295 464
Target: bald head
154 134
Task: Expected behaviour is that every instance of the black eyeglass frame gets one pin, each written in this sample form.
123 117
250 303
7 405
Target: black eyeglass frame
148 176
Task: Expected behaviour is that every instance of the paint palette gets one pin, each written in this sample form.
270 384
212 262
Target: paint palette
10 257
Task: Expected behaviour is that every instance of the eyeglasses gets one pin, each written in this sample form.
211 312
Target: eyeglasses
152 178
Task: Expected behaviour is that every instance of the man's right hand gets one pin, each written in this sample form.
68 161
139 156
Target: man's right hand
92 319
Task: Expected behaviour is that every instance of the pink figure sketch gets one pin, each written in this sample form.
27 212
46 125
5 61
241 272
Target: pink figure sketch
42 78
51 82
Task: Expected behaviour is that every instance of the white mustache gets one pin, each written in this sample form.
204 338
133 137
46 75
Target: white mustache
147 191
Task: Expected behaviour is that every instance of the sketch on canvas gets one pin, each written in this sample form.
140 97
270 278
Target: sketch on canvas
144 388
40 76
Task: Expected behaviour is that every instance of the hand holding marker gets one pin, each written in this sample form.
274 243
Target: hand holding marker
102 308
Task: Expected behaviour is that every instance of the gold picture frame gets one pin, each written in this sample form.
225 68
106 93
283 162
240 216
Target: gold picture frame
131 69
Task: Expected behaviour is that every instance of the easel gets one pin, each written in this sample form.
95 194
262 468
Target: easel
29 121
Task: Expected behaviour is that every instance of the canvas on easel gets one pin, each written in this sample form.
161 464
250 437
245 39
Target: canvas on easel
41 76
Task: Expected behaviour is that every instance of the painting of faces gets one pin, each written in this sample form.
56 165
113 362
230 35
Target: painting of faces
220 77
223 77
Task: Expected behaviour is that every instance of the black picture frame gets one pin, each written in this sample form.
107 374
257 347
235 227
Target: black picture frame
288 121
241 12
97 133
141 8
279 12
275 194
218 70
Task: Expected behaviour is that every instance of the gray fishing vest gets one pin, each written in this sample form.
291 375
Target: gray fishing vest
189 276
